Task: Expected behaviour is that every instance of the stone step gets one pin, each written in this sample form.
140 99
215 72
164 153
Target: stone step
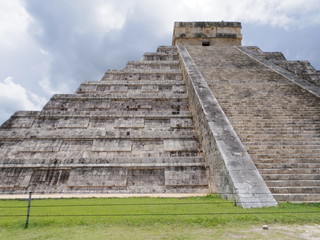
116 190
277 132
132 107
276 144
286 138
20 162
285 143
106 179
281 121
18 122
104 165
152 65
96 84
102 119
128 73
298 198
268 122
76 132
119 96
168 49
283 155
288 160
273 56
277 165
276 120
86 145
277 141
294 190
83 151
296 67
293 183
232 82
284 127
160 56
258 117
309 76
277 108
21 119
112 123
290 176
293 138
298 130
155 75
292 147
280 126
132 89
113 113
298 171
282 152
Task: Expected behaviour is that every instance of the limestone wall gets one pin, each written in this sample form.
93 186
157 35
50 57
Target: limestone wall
131 132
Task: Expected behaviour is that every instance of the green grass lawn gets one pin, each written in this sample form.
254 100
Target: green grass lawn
148 218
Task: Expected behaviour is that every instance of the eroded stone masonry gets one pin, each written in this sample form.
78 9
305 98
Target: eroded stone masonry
205 115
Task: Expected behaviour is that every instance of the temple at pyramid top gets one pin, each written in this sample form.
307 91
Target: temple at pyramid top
207 33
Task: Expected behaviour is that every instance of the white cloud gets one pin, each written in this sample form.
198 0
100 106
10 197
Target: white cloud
47 87
280 13
52 46
16 96
14 22
108 17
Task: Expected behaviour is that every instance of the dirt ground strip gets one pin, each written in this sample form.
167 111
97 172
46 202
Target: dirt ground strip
308 232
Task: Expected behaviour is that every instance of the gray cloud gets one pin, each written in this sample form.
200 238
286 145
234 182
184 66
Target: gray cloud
296 43
57 45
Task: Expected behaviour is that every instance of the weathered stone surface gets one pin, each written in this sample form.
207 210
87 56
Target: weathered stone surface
132 132
274 112
253 126
302 69
292 71
232 172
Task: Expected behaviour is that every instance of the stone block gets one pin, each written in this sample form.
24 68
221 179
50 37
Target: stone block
181 123
147 145
110 145
180 145
129 123
98 177
73 123
146 177
186 176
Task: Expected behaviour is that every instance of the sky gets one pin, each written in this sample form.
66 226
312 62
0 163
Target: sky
49 47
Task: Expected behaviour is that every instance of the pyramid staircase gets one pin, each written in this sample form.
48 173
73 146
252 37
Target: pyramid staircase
277 121
131 132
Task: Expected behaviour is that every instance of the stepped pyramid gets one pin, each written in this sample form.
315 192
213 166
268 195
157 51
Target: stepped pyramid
131 132
205 115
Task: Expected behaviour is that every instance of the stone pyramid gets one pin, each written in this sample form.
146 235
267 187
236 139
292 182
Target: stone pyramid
131 132
205 115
